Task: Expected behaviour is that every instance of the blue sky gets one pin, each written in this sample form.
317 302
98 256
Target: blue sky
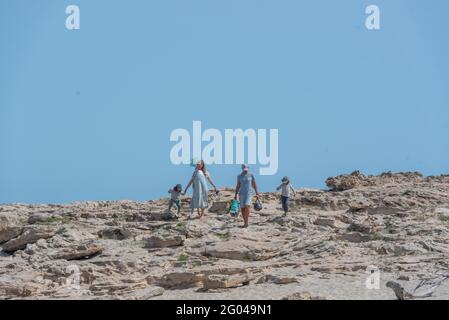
87 114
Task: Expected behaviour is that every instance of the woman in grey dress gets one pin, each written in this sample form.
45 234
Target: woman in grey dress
199 181
244 190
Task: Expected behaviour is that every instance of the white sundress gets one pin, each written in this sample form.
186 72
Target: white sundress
200 190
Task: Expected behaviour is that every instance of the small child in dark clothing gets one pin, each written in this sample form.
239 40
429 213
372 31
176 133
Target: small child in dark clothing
285 188
174 199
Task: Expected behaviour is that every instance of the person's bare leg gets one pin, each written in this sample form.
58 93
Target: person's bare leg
245 214
202 212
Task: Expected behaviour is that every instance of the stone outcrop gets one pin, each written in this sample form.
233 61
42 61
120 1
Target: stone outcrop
164 241
78 251
9 227
28 236
223 281
114 233
324 248
358 179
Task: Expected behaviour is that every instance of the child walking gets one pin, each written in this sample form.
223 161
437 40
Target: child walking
286 189
174 200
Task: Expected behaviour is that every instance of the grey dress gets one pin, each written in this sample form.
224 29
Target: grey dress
246 189
200 190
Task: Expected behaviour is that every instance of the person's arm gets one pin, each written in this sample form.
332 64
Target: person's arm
237 189
211 182
188 185
254 184
293 190
279 188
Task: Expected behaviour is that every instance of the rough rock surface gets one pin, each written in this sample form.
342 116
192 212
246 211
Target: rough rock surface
324 248
28 236
78 251
9 227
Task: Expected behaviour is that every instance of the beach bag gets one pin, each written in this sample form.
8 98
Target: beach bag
257 205
233 208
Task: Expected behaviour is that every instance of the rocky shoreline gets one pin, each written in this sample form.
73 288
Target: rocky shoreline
397 223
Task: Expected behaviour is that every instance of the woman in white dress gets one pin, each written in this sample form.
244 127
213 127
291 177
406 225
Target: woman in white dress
200 189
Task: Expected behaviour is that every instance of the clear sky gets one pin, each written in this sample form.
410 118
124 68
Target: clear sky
87 114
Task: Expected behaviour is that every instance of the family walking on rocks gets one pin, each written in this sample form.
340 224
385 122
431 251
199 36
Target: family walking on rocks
245 189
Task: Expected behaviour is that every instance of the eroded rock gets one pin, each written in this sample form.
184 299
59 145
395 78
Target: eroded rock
9 227
165 241
223 281
78 251
29 235
180 280
115 233
355 237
